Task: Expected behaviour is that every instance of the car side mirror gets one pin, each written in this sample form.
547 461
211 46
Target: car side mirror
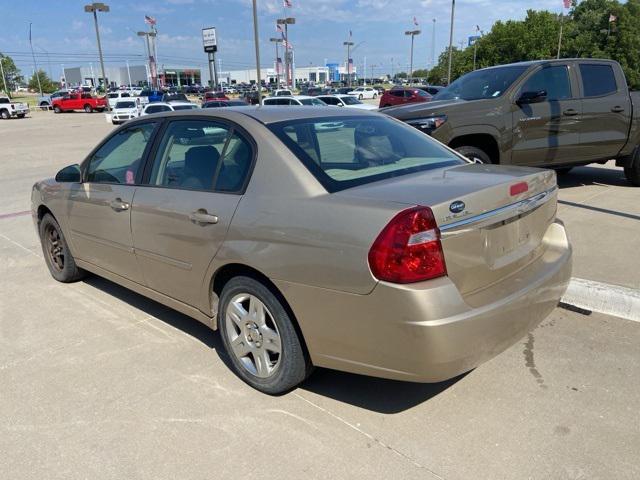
70 174
532 97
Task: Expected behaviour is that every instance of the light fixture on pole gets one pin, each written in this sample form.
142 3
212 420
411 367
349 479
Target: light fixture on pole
276 41
95 8
287 56
257 44
348 44
413 33
453 8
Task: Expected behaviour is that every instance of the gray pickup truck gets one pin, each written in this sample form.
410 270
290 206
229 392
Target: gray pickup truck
549 113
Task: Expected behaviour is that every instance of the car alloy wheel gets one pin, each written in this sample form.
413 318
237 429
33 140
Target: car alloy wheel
253 335
54 247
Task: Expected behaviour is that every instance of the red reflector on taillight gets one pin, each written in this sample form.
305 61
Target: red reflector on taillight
408 249
518 188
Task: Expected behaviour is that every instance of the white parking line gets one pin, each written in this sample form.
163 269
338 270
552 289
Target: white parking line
604 298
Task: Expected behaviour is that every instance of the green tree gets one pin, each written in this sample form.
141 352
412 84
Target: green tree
401 75
420 73
46 83
11 74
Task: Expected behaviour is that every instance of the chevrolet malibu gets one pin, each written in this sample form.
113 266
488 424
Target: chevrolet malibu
369 247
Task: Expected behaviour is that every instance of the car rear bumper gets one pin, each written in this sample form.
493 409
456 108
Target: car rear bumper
427 332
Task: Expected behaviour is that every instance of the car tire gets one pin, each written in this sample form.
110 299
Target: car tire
474 154
57 255
88 109
254 324
57 109
44 106
375 96
360 97
21 115
5 114
633 173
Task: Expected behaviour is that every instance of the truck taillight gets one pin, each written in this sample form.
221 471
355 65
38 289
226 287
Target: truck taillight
408 249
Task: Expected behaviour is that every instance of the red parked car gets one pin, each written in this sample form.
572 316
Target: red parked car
209 96
400 96
79 101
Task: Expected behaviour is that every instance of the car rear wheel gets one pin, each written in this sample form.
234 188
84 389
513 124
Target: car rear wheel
260 338
88 109
633 173
57 255
474 154
57 109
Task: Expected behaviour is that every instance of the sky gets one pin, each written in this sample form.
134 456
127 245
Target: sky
63 34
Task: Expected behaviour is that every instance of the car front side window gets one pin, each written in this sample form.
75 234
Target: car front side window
119 159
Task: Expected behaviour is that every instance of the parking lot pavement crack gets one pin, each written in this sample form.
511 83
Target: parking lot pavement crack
377 441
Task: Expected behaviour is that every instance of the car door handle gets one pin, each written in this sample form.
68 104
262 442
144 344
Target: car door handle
617 109
201 217
570 112
118 205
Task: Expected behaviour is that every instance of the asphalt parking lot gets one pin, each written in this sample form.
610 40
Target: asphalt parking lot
99 382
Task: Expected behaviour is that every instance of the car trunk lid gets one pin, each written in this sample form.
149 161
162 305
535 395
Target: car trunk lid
492 218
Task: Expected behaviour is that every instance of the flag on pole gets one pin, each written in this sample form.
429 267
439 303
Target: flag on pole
612 18
477 28
350 34
149 20
415 21
566 3
287 3
279 28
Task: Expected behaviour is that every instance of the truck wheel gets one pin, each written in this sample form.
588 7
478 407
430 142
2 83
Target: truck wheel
88 109
633 173
474 154
21 115
44 106
57 109
5 115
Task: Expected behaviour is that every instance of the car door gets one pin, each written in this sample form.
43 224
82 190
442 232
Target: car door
99 207
181 216
606 110
547 132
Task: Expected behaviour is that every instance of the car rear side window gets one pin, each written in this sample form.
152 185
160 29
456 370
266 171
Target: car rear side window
342 152
118 160
597 80
201 155
554 80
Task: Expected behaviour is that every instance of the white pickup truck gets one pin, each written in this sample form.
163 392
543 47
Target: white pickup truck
10 109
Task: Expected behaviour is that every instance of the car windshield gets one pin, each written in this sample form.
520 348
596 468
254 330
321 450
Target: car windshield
113 95
126 105
237 103
343 152
312 101
482 84
185 107
350 100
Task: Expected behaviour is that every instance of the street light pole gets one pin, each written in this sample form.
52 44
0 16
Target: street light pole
276 41
287 63
95 8
348 44
413 33
257 43
35 66
453 8
4 81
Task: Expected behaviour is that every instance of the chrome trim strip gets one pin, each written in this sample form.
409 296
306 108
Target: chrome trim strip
503 213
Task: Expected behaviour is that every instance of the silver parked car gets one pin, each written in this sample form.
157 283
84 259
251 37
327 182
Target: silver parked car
368 247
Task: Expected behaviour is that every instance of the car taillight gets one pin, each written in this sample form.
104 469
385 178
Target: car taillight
408 249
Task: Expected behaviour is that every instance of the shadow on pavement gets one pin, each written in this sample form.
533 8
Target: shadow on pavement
169 316
581 176
375 394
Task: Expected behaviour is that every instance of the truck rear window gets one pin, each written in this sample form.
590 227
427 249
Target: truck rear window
344 152
597 80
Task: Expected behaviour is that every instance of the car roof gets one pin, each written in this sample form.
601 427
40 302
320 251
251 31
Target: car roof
265 114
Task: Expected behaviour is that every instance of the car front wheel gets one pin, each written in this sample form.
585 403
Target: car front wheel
57 255
5 115
260 338
57 109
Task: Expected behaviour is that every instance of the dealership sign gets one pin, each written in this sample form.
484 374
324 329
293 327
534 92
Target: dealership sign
209 39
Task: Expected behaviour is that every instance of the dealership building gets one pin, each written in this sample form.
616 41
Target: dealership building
332 72
135 74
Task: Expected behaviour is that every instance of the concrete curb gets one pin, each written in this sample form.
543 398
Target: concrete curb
604 298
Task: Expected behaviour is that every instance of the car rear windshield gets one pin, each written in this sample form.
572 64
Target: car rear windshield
481 84
344 152
185 107
126 105
312 101
351 100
